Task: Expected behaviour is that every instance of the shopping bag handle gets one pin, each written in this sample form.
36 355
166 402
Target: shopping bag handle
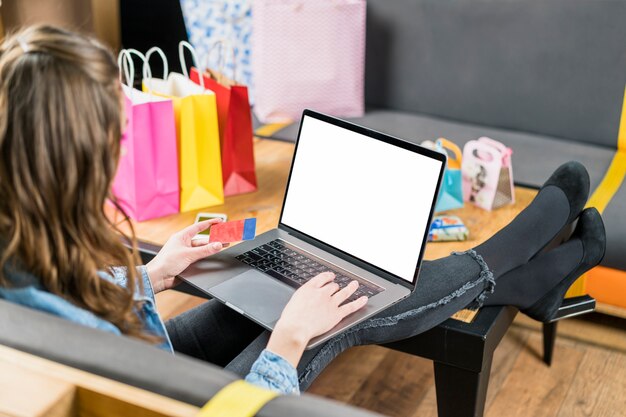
183 63
452 147
483 152
127 67
147 68
221 62
502 148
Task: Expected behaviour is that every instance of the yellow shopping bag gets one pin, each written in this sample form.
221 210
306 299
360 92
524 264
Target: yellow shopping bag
195 112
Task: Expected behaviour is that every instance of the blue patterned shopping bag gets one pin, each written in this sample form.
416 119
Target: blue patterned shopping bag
211 21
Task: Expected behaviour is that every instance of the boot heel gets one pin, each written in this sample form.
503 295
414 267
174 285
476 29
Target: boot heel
570 307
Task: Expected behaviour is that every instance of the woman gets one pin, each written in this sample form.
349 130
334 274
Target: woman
61 119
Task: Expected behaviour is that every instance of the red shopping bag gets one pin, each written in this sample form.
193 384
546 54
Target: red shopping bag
235 125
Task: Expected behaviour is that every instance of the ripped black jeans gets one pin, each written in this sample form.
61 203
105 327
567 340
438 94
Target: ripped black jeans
444 287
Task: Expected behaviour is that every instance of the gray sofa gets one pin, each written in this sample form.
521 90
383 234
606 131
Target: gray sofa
139 364
545 77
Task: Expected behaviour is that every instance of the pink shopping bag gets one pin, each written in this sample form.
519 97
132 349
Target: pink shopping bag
308 54
487 174
146 183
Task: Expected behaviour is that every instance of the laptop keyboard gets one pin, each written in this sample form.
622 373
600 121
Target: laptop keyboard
290 265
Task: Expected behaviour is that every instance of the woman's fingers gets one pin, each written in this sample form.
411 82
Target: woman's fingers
346 292
194 229
320 280
200 252
351 307
331 288
201 241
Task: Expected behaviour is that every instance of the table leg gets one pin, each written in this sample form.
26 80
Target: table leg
461 393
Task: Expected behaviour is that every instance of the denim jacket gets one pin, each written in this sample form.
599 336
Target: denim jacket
269 371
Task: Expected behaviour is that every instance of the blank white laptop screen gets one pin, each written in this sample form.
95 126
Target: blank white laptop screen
363 196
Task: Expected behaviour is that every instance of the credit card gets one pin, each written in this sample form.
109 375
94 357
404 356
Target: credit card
234 231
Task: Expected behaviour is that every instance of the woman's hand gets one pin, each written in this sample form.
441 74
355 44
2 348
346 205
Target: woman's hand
180 251
313 310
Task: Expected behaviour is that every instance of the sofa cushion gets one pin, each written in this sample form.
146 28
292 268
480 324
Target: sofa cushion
534 156
556 68
139 364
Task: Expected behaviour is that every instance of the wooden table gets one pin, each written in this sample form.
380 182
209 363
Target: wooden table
461 352
273 160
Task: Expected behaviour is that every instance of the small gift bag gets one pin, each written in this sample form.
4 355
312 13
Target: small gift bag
451 191
487 174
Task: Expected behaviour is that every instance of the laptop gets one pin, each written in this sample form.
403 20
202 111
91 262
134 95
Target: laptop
358 203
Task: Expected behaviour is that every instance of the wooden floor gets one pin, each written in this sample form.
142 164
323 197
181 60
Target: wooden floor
584 380
587 376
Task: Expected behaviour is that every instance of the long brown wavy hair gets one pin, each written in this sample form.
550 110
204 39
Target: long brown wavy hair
60 129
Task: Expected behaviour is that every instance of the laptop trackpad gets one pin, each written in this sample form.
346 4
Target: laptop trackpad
259 296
